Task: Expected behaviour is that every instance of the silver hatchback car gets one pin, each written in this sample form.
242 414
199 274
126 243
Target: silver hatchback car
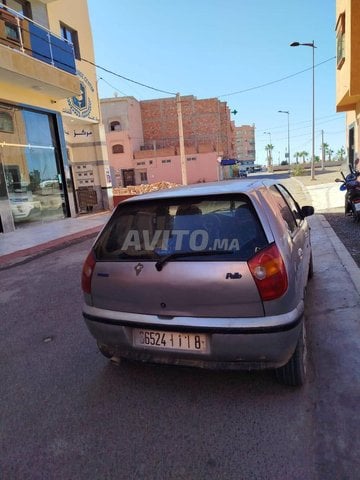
210 275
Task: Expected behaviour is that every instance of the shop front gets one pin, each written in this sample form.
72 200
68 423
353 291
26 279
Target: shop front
34 170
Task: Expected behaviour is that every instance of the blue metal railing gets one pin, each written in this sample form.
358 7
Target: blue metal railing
41 44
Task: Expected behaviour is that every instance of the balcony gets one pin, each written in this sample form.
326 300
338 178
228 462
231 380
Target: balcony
34 58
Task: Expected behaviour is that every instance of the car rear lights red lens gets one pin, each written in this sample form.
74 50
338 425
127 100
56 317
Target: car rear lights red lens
269 273
87 272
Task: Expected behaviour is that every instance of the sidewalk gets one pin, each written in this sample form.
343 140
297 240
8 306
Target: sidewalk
34 240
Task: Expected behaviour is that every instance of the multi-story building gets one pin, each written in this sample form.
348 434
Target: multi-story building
147 142
124 136
53 158
245 143
348 71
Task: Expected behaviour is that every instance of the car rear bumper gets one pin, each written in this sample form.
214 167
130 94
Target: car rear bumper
233 343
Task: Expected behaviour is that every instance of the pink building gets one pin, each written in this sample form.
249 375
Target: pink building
143 139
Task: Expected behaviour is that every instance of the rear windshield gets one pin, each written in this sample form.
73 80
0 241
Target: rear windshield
220 227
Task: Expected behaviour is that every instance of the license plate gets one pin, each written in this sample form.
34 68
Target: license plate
189 342
357 206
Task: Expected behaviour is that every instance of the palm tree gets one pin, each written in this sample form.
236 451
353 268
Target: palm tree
325 146
328 151
340 153
297 155
304 154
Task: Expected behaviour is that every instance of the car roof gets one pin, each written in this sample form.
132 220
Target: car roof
200 189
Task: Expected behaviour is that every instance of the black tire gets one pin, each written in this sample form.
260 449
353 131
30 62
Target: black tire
294 372
311 268
355 213
106 350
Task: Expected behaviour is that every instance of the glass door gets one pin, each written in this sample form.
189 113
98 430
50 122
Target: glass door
32 168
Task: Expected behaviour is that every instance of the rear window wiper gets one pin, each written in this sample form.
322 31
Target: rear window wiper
160 263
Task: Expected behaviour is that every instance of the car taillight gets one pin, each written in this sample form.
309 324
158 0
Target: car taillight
87 272
269 273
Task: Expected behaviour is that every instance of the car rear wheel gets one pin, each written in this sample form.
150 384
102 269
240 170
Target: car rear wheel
294 372
311 268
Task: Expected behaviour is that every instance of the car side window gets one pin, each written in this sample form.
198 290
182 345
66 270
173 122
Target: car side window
284 209
292 203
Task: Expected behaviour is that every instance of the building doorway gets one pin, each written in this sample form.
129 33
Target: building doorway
351 146
128 177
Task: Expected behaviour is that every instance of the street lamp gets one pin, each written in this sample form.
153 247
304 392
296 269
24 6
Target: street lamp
288 121
268 133
312 45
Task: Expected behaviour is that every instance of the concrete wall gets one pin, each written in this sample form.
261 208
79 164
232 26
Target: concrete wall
201 167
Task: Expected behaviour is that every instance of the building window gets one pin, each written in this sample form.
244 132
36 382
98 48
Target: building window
20 6
115 126
140 163
12 32
143 177
166 161
117 148
340 41
6 123
189 159
71 36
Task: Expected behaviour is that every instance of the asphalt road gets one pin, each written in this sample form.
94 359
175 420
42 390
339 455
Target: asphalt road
67 413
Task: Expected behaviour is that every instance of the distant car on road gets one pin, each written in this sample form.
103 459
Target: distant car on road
242 173
211 275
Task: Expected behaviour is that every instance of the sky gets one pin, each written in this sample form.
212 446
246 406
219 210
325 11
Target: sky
235 50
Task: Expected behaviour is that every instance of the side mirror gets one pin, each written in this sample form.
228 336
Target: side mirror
338 180
307 210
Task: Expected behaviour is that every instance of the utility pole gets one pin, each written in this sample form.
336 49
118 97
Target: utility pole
181 141
322 151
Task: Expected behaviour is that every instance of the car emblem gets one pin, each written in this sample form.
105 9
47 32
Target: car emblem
233 276
138 268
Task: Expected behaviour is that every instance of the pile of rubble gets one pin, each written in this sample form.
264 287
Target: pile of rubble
139 189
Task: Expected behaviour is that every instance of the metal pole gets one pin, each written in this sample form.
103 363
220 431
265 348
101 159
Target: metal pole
289 137
181 141
313 113
288 126
322 151
312 45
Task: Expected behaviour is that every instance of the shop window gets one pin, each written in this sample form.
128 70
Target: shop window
115 126
340 41
71 36
117 148
6 123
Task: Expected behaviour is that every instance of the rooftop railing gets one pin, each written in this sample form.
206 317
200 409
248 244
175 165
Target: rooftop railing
31 38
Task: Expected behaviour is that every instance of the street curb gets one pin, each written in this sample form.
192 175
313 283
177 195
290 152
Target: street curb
27 254
345 258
